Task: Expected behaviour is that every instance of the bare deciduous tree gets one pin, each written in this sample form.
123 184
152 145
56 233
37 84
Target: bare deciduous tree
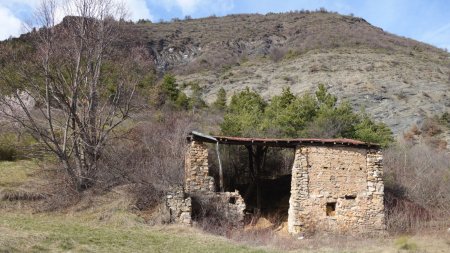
78 104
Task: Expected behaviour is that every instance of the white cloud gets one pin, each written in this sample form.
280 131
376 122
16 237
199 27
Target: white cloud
189 7
10 24
439 37
138 9
11 3
441 30
13 13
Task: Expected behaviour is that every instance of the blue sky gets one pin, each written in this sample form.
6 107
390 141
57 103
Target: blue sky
423 20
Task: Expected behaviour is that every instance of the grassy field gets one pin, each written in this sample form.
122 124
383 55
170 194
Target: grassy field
106 223
44 233
63 233
105 226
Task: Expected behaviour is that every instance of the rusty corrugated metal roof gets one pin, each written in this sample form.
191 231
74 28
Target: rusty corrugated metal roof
278 142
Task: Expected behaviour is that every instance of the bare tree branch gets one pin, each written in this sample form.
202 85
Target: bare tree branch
65 77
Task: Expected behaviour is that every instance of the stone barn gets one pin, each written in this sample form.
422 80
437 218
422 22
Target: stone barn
334 186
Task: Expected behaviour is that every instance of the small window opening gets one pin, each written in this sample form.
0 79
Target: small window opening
331 208
232 200
352 196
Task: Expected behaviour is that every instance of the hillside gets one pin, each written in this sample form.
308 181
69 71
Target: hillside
397 80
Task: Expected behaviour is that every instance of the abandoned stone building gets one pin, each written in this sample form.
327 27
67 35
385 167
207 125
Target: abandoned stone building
332 185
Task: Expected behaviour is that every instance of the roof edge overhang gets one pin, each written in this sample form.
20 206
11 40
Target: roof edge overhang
278 142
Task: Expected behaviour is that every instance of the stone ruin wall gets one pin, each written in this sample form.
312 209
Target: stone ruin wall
196 172
349 177
180 206
198 182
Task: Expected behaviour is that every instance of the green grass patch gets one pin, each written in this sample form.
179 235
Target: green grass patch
405 243
13 174
42 233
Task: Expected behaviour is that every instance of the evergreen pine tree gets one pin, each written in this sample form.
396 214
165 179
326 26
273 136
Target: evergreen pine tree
221 100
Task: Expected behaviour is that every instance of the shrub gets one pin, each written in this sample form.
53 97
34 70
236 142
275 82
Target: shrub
293 116
7 152
429 132
369 131
277 54
221 100
18 145
150 155
208 212
196 101
170 87
182 101
288 115
431 127
404 243
445 119
244 114
144 21
417 187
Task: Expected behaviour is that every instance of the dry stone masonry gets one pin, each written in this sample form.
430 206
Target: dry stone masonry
198 181
179 205
336 186
196 169
336 189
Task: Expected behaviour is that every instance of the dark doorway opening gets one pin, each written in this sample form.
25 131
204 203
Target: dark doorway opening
265 185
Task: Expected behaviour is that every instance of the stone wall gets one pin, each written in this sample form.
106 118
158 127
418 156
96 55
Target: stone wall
336 189
179 205
199 182
197 178
235 207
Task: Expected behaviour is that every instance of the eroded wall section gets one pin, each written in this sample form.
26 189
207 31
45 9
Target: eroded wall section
198 182
179 205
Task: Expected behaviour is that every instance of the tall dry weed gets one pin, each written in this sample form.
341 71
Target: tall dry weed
417 180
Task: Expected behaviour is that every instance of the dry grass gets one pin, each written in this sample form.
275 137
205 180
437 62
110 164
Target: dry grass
62 232
431 242
57 233
109 222
417 189
99 222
